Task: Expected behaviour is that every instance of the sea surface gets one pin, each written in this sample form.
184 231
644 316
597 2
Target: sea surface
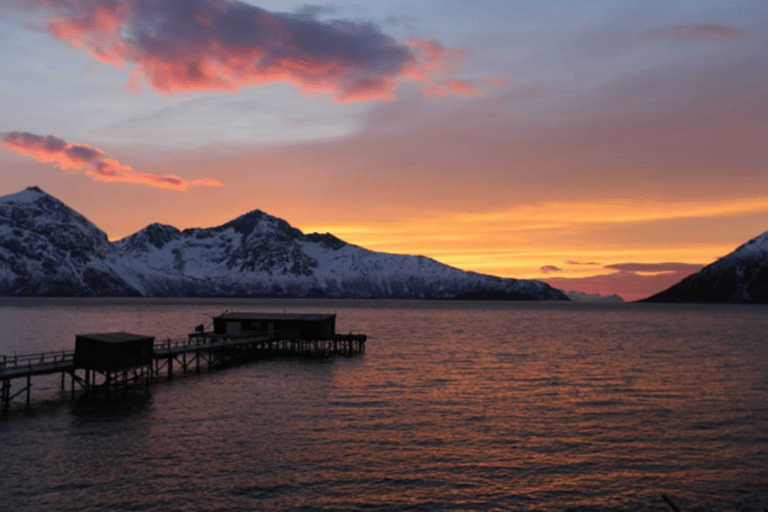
453 406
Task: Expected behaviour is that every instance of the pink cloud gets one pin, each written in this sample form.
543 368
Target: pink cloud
223 45
696 32
496 81
464 87
50 149
433 53
546 269
442 88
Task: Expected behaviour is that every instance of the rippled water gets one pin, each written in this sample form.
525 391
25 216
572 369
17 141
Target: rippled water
454 406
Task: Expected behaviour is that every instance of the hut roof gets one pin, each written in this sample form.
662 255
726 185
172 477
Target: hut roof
307 317
115 337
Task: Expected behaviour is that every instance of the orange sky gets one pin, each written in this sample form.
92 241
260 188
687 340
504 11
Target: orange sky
605 147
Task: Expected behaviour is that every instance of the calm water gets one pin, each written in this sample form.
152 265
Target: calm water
454 406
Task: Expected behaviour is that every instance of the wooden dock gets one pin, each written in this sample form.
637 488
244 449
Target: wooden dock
197 352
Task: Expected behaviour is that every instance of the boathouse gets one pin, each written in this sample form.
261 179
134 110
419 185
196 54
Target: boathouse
286 325
113 351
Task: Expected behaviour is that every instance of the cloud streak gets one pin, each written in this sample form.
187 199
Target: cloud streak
708 32
223 45
655 268
95 163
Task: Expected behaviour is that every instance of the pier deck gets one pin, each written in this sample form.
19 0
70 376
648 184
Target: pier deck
199 350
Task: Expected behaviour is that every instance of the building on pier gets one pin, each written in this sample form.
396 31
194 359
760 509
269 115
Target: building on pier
113 351
282 325
112 361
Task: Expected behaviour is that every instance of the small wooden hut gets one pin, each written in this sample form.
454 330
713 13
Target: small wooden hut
113 351
286 325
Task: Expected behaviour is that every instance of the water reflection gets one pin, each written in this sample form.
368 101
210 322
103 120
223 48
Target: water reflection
524 407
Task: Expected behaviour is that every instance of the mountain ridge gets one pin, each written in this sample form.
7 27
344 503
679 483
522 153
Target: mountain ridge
47 248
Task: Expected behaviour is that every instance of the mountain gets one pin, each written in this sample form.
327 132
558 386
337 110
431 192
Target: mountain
740 277
577 296
46 248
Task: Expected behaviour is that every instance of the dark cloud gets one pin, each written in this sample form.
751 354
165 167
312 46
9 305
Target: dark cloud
84 153
187 45
572 262
546 269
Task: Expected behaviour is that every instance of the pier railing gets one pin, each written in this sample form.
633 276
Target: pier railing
170 343
27 360
61 356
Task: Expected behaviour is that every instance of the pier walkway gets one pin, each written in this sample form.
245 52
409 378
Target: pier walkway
193 353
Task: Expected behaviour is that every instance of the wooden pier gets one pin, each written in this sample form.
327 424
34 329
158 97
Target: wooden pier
194 353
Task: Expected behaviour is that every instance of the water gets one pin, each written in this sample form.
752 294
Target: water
454 406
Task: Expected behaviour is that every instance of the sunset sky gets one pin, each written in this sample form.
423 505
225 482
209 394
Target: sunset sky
602 146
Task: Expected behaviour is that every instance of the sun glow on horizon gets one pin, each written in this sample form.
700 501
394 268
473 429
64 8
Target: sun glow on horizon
518 242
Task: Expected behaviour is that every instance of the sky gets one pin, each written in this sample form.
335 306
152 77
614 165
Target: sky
607 147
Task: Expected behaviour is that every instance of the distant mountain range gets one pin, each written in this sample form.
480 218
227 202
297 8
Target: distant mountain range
740 277
593 297
48 249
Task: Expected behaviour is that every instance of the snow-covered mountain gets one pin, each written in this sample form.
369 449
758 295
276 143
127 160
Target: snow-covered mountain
739 277
46 248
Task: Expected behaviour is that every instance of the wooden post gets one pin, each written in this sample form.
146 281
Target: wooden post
6 392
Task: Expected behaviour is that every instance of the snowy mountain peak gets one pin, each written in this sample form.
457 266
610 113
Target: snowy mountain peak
156 235
37 212
258 223
28 195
